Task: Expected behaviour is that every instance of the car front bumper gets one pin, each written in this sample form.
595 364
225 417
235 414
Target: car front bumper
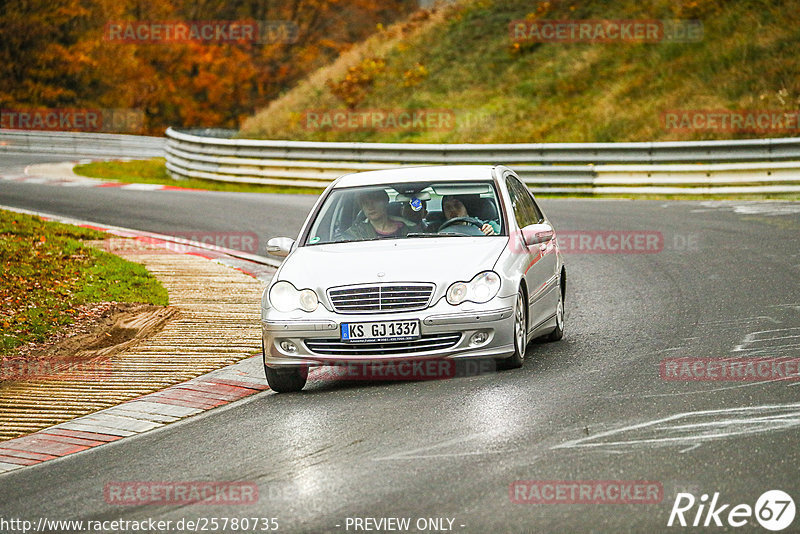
446 332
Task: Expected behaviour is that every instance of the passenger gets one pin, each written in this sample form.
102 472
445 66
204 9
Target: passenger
378 223
454 206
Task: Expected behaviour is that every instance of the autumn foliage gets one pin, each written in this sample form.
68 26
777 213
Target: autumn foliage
353 88
56 54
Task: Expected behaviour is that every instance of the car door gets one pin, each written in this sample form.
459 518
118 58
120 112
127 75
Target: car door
540 271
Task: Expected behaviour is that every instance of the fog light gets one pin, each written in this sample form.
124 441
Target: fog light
479 338
288 346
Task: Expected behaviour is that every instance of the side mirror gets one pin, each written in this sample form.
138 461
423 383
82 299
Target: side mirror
280 246
534 234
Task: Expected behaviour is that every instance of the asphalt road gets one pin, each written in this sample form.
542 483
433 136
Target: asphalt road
592 407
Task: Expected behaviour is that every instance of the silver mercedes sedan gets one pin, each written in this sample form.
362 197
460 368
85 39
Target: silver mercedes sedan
413 264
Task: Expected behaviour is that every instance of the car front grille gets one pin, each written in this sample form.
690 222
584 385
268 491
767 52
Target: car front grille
380 298
426 343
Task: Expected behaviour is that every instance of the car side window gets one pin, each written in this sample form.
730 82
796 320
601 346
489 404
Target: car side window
539 214
525 210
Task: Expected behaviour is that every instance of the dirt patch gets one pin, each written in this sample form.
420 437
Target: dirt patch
98 332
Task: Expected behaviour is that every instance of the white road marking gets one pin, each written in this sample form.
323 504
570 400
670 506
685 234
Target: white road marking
443 455
771 208
705 391
680 429
142 187
734 322
769 342
412 454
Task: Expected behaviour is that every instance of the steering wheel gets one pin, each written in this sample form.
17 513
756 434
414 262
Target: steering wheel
472 221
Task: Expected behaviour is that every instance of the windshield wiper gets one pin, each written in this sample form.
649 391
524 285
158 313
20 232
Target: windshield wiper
445 234
333 242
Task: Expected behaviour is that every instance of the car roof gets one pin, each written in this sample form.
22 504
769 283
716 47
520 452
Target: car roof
429 173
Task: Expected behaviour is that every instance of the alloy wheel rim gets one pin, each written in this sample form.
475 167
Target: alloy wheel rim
560 315
519 327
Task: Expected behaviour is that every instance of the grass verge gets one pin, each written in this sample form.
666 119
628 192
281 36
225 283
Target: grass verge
154 171
47 272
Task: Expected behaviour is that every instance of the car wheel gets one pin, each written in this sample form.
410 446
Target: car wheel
285 380
520 335
558 333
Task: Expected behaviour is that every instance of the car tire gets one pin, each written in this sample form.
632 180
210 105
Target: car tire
285 380
520 335
558 333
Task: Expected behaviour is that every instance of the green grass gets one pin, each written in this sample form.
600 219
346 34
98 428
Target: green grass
47 272
154 171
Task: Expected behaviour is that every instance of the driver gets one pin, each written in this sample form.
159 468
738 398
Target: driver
454 206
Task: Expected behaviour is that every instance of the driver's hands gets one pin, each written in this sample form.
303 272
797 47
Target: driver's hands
487 229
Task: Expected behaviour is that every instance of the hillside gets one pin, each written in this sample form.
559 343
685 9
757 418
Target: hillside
461 61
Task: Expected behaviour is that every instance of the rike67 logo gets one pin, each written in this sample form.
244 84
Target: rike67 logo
774 510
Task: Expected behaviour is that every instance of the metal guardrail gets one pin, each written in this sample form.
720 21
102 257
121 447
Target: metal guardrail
699 167
80 144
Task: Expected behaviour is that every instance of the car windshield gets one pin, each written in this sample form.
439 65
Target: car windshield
408 211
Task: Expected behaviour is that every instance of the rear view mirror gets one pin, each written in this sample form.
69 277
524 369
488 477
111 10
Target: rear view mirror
280 246
534 234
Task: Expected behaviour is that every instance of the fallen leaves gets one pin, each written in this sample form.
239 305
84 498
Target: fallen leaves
44 275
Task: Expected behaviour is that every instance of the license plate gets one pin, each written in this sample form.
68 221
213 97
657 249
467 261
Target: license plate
380 331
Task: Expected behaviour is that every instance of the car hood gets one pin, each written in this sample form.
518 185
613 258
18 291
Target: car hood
438 260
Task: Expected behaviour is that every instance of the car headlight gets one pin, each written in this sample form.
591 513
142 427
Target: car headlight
482 288
285 297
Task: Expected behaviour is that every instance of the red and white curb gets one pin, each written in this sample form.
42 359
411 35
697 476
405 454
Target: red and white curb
89 182
136 416
61 174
